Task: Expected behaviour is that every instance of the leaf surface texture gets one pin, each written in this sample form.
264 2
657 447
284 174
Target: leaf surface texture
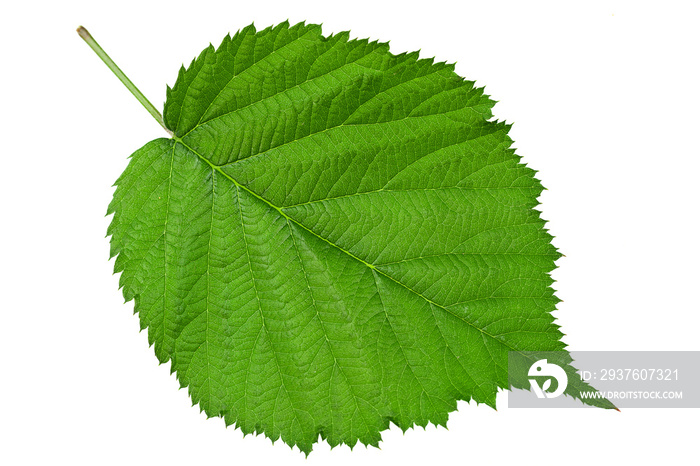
335 238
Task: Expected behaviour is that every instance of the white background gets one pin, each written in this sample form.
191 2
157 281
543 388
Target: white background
604 97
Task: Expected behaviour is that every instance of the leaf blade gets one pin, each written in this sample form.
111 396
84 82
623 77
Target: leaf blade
347 239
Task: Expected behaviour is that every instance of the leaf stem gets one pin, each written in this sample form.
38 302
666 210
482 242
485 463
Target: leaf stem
122 77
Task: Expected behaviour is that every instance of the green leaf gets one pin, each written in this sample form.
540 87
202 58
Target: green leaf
334 239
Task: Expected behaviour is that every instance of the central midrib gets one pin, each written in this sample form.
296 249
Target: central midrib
371 266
